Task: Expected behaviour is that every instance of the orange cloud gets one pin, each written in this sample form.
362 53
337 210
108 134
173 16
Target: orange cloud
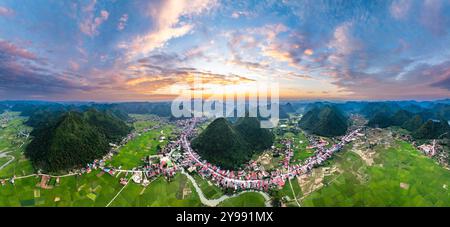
167 24
308 52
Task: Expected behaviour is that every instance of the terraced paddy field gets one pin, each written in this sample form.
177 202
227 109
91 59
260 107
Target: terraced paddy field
248 199
399 176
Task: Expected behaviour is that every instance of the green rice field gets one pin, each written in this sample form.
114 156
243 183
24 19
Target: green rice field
14 145
98 189
288 194
248 199
211 191
132 153
400 176
300 142
160 193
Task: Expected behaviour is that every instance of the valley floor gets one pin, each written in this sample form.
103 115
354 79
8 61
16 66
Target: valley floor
392 173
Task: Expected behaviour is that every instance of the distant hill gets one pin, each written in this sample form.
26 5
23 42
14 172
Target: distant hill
325 121
230 146
3 108
162 109
380 120
383 119
400 117
413 123
287 108
433 129
351 106
442 111
73 139
380 108
413 108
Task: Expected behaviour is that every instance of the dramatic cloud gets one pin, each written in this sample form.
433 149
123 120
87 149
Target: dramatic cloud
342 44
419 82
172 65
445 83
21 70
139 50
166 19
90 23
9 51
122 22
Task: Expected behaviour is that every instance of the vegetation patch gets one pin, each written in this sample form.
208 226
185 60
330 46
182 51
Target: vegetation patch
230 146
396 179
247 199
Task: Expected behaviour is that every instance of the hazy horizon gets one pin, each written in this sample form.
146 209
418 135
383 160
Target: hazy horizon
281 100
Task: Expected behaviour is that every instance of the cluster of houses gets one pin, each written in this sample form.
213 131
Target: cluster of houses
150 171
257 179
251 177
157 165
428 149
288 152
317 143
435 151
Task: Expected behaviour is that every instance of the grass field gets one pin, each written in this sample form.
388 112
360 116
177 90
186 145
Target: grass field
87 190
131 154
160 193
288 195
143 121
211 191
300 142
248 199
400 176
95 190
10 142
3 161
92 189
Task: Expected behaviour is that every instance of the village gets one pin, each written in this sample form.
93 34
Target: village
172 156
178 155
251 176
431 148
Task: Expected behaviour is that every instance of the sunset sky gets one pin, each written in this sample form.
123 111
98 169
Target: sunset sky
120 50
